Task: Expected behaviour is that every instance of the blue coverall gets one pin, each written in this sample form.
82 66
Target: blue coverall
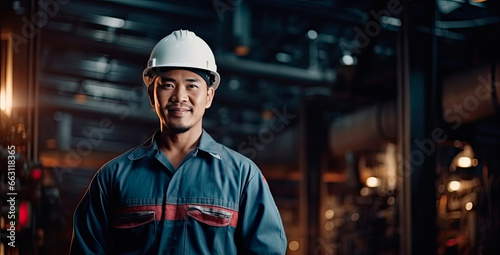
216 202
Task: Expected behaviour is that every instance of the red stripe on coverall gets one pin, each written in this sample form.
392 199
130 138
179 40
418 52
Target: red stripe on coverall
175 212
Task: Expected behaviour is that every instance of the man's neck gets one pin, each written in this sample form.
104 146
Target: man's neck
177 146
179 143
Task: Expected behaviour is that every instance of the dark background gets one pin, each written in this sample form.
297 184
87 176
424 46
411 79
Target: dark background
356 112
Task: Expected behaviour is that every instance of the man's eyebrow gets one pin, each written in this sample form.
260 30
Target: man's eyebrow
193 80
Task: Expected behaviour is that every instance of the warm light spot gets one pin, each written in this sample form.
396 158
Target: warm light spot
6 83
372 182
329 226
3 103
51 143
241 50
364 191
80 98
474 162
6 98
293 245
453 186
391 200
355 217
267 114
464 162
441 188
329 214
468 206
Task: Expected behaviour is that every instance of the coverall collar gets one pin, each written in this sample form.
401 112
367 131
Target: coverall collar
206 144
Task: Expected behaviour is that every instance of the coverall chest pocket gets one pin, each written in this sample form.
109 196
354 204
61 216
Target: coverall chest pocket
207 229
133 231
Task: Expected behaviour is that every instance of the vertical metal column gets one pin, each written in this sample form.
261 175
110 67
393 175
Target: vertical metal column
417 108
32 97
315 130
403 138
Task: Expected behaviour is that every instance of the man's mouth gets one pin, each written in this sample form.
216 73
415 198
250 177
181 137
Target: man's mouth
178 110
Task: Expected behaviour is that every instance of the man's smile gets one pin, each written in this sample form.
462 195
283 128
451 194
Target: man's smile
178 110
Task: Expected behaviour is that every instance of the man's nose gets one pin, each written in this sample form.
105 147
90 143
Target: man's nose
179 95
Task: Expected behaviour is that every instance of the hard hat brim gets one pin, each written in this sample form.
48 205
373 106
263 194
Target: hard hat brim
149 75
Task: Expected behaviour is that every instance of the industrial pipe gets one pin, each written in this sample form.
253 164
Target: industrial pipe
467 96
231 63
471 95
364 129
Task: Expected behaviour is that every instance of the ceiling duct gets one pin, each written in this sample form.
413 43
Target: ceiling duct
471 95
467 97
364 129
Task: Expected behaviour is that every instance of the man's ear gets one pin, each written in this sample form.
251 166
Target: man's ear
151 95
210 96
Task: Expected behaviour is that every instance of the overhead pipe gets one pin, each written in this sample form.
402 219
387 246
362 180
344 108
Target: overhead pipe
231 63
467 97
364 129
471 95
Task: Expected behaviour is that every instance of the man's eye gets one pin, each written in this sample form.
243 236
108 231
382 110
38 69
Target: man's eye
192 86
166 84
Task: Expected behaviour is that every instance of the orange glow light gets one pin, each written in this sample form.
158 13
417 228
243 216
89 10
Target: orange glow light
241 50
6 74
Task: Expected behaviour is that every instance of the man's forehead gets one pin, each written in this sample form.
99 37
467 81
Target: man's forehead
176 72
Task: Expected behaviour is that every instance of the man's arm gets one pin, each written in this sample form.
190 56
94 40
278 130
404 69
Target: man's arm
90 223
259 230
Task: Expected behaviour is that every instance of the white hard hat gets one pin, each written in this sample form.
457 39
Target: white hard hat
182 48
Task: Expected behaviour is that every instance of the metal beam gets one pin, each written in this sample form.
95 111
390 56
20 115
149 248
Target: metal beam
403 137
163 7
417 101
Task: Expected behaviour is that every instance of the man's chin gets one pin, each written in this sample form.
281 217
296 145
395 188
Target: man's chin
178 129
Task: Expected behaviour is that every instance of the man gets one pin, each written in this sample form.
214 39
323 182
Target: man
180 192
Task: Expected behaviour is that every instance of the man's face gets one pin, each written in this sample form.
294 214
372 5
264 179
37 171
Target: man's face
180 98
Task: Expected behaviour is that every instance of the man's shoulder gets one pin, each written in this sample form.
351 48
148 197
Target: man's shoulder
125 158
231 155
221 151
120 160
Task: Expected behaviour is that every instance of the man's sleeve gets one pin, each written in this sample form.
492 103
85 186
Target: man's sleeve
259 230
90 223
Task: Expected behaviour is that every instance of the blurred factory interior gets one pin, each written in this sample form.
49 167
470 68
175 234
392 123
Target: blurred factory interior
376 123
